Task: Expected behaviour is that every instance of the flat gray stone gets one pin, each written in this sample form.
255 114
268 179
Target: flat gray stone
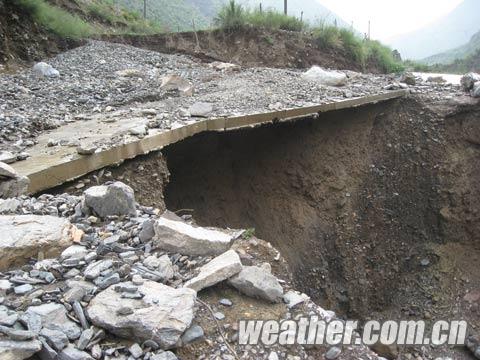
18 350
177 236
54 316
71 353
167 355
24 236
258 283
162 315
219 269
200 109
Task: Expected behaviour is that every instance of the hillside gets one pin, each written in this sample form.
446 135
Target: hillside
313 11
459 53
178 15
447 33
172 15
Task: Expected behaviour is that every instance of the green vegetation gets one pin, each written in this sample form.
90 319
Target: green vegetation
105 18
123 20
173 15
249 233
56 20
234 16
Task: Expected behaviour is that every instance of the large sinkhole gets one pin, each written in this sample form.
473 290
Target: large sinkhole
375 208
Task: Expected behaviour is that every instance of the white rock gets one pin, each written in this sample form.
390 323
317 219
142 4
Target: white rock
323 77
292 299
75 252
177 236
113 199
219 269
9 205
258 283
167 355
6 171
18 350
24 236
7 157
200 109
71 353
162 315
45 70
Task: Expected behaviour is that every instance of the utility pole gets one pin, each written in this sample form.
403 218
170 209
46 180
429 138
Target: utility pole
369 29
145 9
285 6
261 7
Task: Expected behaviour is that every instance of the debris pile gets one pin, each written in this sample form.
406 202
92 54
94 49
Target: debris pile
100 277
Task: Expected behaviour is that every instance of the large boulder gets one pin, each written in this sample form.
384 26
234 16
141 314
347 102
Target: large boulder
324 77
24 236
257 282
113 199
18 350
219 269
177 236
162 315
469 80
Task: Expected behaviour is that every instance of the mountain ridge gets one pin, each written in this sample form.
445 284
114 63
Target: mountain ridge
448 32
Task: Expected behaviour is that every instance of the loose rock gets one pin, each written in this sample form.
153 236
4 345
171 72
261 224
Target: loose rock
177 236
219 269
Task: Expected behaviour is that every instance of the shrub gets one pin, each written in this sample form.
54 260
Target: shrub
231 16
55 19
271 19
327 36
382 56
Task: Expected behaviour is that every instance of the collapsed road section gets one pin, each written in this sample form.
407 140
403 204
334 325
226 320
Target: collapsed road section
367 190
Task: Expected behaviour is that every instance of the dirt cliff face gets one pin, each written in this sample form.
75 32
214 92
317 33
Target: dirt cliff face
250 47
22 40
366 204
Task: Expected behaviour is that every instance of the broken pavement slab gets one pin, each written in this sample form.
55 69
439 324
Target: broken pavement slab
25 236
47 167
162 315
177 236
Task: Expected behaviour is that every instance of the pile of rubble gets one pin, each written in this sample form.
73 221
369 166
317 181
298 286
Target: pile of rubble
98 276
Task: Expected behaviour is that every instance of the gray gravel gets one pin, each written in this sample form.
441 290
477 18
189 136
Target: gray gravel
90 84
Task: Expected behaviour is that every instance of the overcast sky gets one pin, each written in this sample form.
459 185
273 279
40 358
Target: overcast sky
390 17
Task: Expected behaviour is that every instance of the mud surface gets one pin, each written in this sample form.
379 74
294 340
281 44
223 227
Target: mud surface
375 208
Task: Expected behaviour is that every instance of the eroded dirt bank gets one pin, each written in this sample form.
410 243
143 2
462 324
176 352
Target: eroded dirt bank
376 208
249 47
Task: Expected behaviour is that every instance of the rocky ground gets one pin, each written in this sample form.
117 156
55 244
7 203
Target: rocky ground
93 277
103 83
